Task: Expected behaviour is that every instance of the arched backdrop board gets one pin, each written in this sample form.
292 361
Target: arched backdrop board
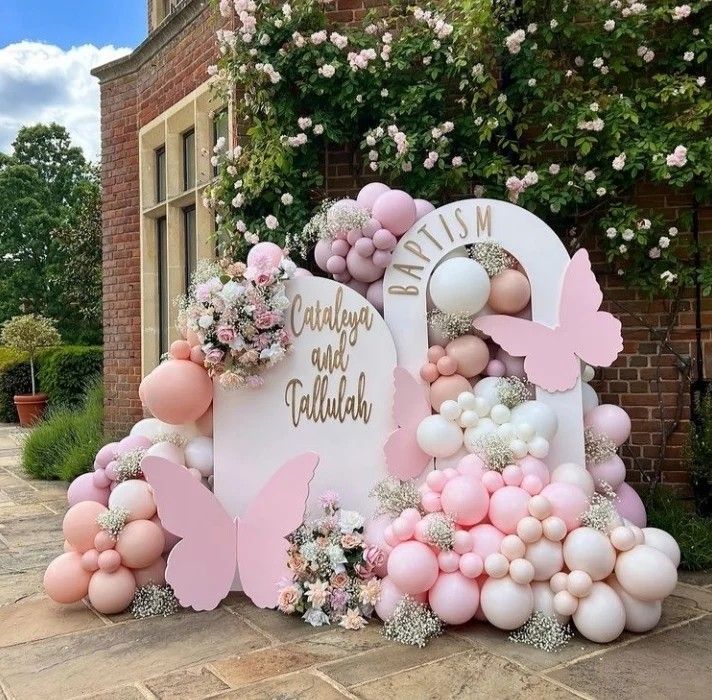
541 254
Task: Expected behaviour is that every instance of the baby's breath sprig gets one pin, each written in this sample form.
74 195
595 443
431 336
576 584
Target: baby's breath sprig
314 230
598 447
495 452
492 257
174 438
412 623
440 531
450 326
601 513
153 601
113 520
128 465
511 391
543 632
394 496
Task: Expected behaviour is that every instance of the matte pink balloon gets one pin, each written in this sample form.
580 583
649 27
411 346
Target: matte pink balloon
180 350
106 454
470 353
204 424
135 496
368 194
344 278
383 239
382 258
446 366
131 443
609 420
364 247
535 467
465 499
179 392
370 227
462 542
390 596
322 253
155 573
90 560
610 471
375 294
265 254
568 502
472 465
395 210
447 388
629 505
492 481
486 540
112 593
361 268
495 368
422 207
103 541
353 235
85 488
359 287
140 543
109 561
508 506
80 526
448 561
431 502
339 249
505 603
471 565
509 292
454 598
413 567
65 580
196 355
336 264
532 484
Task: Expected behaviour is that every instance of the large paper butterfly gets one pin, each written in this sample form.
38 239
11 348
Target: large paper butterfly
411 405
583 332
202 566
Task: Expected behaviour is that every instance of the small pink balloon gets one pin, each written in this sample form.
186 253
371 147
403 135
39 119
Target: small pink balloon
353 235
462 542
471 565
435 352
155 573
568 502
495 368
609 420
383 239
554 528
197 355
65 580
265 254
101 481
514 366
368 194
411 514
447 388
431 502
390 537
339 249
370 227
395 210
103 541
343 277
429 372
80 526
135 496
112 593
140 543
486 540
90 560
403 528
382 258
446 366
106 454
362 268
436 480
629 505
611 471
109 561
179 392
322 252
413 567
509 292
111 471
512 475
465 499
532 484
454 598
470 353
449 561
512 547
390 596
336 264
365 247
422 207
492 481
532 465
180 350
375 295
85 488
508 506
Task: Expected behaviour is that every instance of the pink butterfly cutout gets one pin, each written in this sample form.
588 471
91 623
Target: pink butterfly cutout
583 332
202 566
411 405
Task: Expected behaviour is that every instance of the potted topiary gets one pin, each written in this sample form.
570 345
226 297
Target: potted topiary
29 334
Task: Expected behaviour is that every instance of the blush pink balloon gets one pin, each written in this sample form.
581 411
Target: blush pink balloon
629 505
140 543
103 541
106 454
535 467
568 502
610 471
465 499
171 540
131 443
509 292
322 253
179 392
454 598
609 420
462 542
492 481
85 488
358 287
197 355
495 368
155 573
66 580
470 354
448 561
265 254
374 294
135 496
447 388
362 268
471 565
508 506
112 593
90 560
413 567
422 207
486 540
80 526
369 193
395 210
390 596
180 350
109 561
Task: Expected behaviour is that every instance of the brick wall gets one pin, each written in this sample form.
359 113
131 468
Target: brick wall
176 70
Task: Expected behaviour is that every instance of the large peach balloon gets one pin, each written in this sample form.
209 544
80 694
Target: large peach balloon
447 389
600 616
178 392
65 580
80 526
505 603
646 573
509 292
640 615
111 593
140 543
546 557
470 353
591 551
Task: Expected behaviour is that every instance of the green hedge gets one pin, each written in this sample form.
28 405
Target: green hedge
63 374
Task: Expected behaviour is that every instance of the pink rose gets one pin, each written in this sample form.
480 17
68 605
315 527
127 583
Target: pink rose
266 319
288 599
374 556
364 570
226 334
214 356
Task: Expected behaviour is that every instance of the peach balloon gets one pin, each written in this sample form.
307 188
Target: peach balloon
103 541
568 502
109 561
140 543
171 540
178 392
90 560
447 388
111 593
66 580
506 603
197 355
192 338
509 292
180 350
470 353
80 526
135 496
154 573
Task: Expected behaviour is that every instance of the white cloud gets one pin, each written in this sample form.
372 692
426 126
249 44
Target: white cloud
44 83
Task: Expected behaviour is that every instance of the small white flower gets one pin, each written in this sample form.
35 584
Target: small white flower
456 162
327 70
553 24
286 199
664 242
600 191
589 176
701 80
384 92
622 248
271 222
609 25
654 253
350 520
628 234
672 231
554 169
531 82
688 56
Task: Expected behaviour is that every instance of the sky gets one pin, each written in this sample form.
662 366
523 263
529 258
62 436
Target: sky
47 50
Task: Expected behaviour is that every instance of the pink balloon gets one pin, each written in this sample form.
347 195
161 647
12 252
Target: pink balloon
422 207
568 502
509 292
465 499
609 420
470 353
140 543
179 392
106 454
395 210
472 465
180 350
65 580
136 496
629 505
204 424
353 235
368 195
535 467
112 593
514 365
90 560
610 471
462 542
375 294
196 355
171 540
492 481
370 227
322 252
486 540
446 388
454 598
155 573
364 247
448 561
532 484
109 561
362 268
265 254
508 506
80 526
495 368
336 265
390 596
131 443
383 239
359 287
413 567
103 541
85 488
382 258
340 248
471 565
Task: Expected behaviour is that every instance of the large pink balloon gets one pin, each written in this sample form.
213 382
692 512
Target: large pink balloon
446 388
374 294
629 505
610 471
265 254
370 193
454 598
111 593
609 420
390 596
65 580
470 353
422 207
465 499
80 526
140 543
486 540
179 392
568 502
322 253
413 567
395 210
83 488
508 506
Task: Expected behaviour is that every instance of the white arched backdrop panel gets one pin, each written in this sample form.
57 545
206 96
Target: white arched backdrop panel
541 254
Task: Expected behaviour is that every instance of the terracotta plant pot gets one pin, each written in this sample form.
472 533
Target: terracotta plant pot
30 408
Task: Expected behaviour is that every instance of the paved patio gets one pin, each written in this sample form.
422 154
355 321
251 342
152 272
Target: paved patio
238 651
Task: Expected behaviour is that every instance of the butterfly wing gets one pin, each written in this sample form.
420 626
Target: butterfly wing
549 362
596 335
277 511
201 567
411 405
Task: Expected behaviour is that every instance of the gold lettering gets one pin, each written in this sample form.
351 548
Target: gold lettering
447 228
461 221
410 290
425 232
484 221
408 270
413 247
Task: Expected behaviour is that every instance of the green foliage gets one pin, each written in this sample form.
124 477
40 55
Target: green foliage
64 444
692 532
699 453
65 374
14 379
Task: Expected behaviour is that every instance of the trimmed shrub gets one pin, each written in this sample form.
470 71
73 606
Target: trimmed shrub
66 372
64 444
14 379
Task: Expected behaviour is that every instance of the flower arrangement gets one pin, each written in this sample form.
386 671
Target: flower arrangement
334 578
238 313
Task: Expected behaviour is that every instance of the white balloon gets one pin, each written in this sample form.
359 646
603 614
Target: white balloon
505 603
199 455
459 286
587 373
168 451
591 551
519 448
153 428
468 419
640 615
537 414
600 616
538 447
506 431
500 414
486 388
439 437
467 401
664 542
546 557
474 435
589 397
525 431
646 573
570 473
544 601
450 409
